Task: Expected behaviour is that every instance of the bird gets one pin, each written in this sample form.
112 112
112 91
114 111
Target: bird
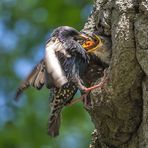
67 56
60 70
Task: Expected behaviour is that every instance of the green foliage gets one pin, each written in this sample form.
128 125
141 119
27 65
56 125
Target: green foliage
24 28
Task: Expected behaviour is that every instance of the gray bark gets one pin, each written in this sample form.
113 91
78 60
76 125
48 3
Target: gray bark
120 111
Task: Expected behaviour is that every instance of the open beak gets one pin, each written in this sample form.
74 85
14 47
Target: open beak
92 44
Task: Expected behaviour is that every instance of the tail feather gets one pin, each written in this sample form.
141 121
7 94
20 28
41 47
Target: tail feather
61 97
54 124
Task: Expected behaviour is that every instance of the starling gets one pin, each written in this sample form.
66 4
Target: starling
61 70
65 60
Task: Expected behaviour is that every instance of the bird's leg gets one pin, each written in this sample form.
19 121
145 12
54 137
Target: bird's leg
79 83
86 90
75 101
87 101
81 98
84 97
104 79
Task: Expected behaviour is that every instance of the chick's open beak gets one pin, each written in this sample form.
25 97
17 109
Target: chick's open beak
92 44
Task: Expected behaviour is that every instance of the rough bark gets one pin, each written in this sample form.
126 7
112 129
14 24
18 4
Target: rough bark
120 111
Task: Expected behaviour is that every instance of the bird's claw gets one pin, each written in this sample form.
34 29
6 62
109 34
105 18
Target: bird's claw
87 101
104 79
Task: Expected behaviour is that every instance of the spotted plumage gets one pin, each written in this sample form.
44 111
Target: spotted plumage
61 97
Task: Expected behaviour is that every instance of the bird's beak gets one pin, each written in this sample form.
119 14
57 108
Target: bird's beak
82 37
92 44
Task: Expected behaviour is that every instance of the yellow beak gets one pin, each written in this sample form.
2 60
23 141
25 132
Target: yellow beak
84 37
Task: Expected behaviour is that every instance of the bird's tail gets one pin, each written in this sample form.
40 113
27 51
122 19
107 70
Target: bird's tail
54 123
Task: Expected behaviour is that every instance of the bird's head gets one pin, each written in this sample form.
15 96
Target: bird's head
98 47
93 43
66 32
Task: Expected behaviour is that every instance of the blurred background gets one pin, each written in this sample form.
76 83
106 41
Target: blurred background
24 27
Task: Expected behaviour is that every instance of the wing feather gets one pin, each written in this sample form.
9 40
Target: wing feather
76 62
37 78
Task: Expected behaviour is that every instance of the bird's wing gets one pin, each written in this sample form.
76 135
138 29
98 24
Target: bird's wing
37 78
77 61
74 48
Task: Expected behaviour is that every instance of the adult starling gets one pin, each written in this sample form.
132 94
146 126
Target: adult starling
61 70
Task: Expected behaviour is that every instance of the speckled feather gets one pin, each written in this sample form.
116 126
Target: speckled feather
61 97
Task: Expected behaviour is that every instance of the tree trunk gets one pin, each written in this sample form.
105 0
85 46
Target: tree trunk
120 111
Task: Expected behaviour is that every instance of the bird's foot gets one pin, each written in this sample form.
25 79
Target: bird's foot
104 79
87 101
75 101
84 98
